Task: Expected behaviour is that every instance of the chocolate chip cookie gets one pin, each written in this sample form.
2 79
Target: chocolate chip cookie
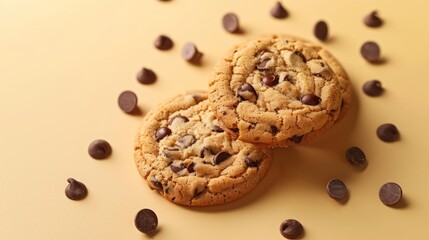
184 155
278 91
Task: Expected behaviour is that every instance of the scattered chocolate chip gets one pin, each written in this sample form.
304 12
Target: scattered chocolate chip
220 157
127 101
176 169
278 11
270 80
337 189
263 64
163 42
296 139
320 30
191 54
372 20
76 190
370 51
291 229
218 129
162 132
388 132
190 167
99 149
356 157
156 184
247 92
310 99
274 130
373 88
252 163
182 118
146 221
390 193
172 152
230 23
301 55
186 141
146 76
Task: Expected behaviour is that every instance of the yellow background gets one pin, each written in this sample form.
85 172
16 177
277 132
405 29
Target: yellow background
64 63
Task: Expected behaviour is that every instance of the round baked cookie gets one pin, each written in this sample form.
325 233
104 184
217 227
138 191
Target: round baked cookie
275 91
185 156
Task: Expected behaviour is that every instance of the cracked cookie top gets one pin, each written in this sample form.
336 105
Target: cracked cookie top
275 91
184 155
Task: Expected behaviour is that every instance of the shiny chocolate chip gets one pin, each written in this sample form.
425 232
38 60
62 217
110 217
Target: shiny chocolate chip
179 118
370 51
388 132
146 76
301 55
252 163
204 152
146 221
156 184
216 128
390 193
263 64
220 157
191 54
99 149
337 189
127 101
310 99
172 152
230 23
278 11
186 140
270 80
176 169
320 30
163 42
373 20
247 92
373 88
356 157
190 167
291 229
162 132
76 190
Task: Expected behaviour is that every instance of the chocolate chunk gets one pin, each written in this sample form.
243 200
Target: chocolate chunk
301 55
274 130
204 151
278 11
76 190
186 141
373 88
337 189
252 163
190 167
176 169
146 76
230 23
373 20
218 129
270 80
182 118
390 193
356 157
291 229
263 64
247 92
146 221
220 157
162 132
310 99
172 152
163 42
320 30
127 101
156 184
388 132
99 149
370 51
191 54
296 139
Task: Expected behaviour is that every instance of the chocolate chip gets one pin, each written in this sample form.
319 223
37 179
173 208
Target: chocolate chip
146 221
190 167
247 92
176 169
218 129
270 80
252 163
320 30
182 118
263 64
390 193
99 149
127 101
356 157
291 229
203 152
301 55
172 152
146 76
296 139
370 51
161 133
191 54
388 132
337 189
186 141
76 190
163 42
373 20
220 157
278 11
230 23
156 184
373 88
310 99
274 130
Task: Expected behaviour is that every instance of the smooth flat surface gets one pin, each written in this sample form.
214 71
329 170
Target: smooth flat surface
64 63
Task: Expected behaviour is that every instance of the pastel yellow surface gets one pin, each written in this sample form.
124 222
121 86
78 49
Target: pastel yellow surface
64 63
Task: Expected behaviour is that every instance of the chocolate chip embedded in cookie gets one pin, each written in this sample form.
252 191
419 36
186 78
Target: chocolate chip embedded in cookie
184 155
277 91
